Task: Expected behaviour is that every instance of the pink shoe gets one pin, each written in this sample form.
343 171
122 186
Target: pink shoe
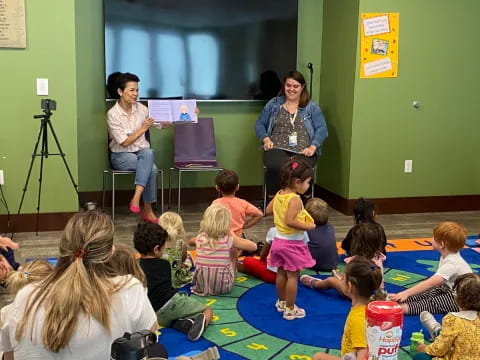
134 209
308 280
153 220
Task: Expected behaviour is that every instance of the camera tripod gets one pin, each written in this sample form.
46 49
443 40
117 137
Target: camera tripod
44 154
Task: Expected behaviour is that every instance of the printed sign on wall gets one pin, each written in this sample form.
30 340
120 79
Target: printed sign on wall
379 45
12 24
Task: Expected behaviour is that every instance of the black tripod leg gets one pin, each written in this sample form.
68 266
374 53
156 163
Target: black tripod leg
34 155
63 157
43 154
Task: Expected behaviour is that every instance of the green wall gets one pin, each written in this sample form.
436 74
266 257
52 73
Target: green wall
438 67
373 126
309 42
90 75
70 53
50 53
337 92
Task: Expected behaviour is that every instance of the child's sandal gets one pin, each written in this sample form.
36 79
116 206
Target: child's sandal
308 280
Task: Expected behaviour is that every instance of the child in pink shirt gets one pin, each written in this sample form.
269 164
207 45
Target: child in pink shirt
244 214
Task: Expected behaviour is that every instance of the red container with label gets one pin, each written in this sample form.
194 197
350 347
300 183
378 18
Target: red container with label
384 330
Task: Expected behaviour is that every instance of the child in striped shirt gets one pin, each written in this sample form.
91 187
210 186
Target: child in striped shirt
214 269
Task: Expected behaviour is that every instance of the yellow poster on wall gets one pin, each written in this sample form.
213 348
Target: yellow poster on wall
379 45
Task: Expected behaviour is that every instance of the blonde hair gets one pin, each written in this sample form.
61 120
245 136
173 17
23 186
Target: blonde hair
31 272
318 209
173 225
215 223
79 283
124 262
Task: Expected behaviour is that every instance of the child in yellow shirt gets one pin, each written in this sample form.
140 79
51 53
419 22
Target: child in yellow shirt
289 252
362 279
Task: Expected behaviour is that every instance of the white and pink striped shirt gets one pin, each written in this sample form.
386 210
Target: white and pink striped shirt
121 125
214 272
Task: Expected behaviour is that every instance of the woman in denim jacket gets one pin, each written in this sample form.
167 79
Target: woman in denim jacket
290 125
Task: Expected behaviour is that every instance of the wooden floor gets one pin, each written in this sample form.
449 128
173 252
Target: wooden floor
396 227
403 226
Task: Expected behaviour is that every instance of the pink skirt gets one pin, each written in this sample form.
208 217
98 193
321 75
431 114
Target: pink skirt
290 255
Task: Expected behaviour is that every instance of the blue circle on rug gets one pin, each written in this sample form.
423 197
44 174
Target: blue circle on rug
323 325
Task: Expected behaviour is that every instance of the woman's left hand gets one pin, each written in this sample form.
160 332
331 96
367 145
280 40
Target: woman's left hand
7 243
309 151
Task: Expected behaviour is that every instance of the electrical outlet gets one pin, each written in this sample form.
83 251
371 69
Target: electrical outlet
1 177
408 166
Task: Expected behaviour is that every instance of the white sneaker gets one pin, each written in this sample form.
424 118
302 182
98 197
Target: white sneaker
430 323
280 305
295 313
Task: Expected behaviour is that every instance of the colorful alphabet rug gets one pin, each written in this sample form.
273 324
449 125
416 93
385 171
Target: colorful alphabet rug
246 324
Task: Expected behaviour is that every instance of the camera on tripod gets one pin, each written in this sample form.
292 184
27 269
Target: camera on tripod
48 105
133 346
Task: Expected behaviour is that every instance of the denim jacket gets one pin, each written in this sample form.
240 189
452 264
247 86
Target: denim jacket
311 115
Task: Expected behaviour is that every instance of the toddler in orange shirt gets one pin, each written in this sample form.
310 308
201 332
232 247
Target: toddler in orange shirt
244 214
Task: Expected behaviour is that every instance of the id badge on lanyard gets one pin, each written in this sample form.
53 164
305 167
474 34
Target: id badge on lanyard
292 139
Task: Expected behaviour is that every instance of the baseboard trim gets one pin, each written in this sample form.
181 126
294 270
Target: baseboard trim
28 222
404 205
188 196
253 193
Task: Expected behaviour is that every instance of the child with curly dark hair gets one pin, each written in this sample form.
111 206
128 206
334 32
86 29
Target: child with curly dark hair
174 309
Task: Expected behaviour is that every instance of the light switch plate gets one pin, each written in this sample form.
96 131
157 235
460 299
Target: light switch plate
42 86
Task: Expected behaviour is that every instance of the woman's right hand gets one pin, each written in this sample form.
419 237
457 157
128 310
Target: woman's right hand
267 144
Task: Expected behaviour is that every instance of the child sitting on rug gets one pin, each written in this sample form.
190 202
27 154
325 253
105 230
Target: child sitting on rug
244 214
460 331
174 309
175 250
124 262
362 283
258 267
367 242
31 272
289 252
435 294
363 212
322 244
214 268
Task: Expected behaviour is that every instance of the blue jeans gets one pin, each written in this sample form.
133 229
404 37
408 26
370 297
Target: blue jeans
145 170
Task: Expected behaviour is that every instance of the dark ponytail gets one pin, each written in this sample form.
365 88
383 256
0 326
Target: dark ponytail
363 211
294 169
366 278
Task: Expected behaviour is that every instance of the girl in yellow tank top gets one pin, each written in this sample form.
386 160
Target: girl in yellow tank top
280 208
289 252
